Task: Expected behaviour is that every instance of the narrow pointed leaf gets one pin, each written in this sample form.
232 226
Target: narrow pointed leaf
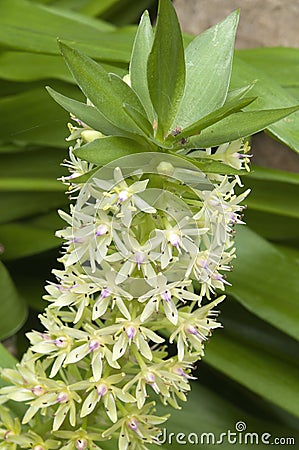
106 91
227 109
88 114
107 149
138 65
208 68
239 125
239 92
13 311
166 67
140 120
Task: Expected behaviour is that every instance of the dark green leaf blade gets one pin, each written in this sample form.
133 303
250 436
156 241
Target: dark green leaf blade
230 107
107 149
24 240
271 377
238 125
166 67
13 311
265 282
208 68
270 95
138 65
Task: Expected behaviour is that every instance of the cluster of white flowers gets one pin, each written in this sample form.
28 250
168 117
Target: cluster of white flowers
143 232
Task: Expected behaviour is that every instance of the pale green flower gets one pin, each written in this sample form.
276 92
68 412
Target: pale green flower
137 428
104 390
194 328
127 332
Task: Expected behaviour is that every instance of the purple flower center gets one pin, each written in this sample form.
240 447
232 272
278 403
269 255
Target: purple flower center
131 331
139 259
166 296
93 345
60 342
192 330
174 240
81 444
123 196
102 230
150 378
38 390
102 389
105 292
62 397
133 424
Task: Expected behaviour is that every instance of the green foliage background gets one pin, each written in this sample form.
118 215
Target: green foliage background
250 371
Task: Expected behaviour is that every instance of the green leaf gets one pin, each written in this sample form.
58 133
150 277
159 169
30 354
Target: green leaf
8 361
265 282
103 151
208 68
238 125
138 65
270 95
29 27
140 120
273 226
20 240
17 205
279 63
250 365
13 311
39 120
88 114
166 67
25 66
106 91
30 184
274 195
230 107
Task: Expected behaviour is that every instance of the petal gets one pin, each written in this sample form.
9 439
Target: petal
109 403
97 365
120 347
143 346
89 403
148 309
60 416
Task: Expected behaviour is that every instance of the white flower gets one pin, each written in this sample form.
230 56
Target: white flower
126 332
194 328
137 428
89 236
121 197
104 390
96 344
168 294
132 255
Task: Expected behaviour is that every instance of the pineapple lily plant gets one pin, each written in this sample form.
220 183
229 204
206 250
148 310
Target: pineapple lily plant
155 165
